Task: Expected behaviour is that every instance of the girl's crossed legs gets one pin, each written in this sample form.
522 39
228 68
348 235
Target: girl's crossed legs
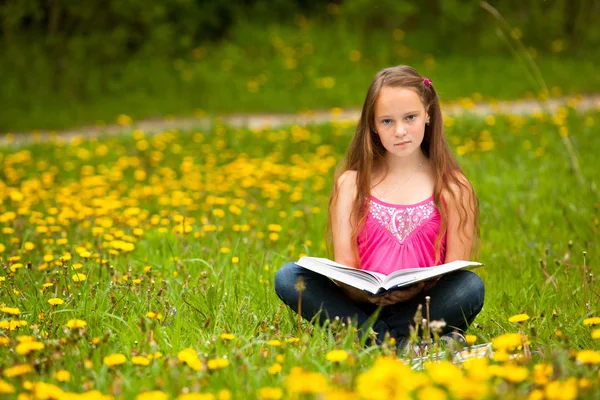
456 298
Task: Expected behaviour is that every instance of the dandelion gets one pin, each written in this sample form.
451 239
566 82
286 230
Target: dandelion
17 370
275 369
337 355
507 341
596 334
62 376
140 360
79 277
274 342
302 382
56 301
10 310
519 318
28 347
512 373
227 336
588 357
587 321
196 396
12 325
6 388
76 324
124 120
152 395
114 359
217 363
432 393
471 339
270 393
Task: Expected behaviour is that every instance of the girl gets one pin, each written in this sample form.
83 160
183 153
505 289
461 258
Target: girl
400 201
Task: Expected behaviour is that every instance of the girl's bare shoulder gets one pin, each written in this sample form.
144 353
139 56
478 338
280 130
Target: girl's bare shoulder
347 180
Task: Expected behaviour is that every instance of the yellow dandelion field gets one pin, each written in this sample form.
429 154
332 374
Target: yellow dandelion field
141 266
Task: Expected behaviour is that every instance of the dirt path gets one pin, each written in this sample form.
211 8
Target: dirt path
520 107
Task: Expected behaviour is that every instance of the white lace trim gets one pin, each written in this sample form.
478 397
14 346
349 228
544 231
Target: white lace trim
401 222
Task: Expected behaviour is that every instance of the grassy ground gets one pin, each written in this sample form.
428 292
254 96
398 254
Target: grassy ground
177 238
270 69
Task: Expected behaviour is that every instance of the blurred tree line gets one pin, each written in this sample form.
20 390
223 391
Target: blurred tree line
52 41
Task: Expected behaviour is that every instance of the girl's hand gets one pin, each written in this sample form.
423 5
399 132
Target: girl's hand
431 283
397 296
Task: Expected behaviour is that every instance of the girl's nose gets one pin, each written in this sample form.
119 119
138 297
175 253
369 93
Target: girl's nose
400 129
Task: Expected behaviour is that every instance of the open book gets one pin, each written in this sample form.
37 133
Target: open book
375 282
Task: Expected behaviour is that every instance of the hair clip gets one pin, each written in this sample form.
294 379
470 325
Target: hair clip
427 82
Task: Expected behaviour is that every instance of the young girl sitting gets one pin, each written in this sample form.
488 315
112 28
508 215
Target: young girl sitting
400 201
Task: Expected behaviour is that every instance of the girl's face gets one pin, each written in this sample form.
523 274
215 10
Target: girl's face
400 119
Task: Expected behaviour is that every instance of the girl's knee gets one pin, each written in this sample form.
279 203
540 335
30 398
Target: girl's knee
474 288
285 280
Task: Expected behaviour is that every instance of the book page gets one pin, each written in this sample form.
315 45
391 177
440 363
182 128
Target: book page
407 277
348 275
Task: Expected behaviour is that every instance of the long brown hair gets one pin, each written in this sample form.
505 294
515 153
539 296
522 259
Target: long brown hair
366 152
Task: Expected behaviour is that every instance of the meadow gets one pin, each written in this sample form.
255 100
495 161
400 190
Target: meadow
141 266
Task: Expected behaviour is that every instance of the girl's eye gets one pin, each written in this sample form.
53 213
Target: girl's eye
386 121
411 117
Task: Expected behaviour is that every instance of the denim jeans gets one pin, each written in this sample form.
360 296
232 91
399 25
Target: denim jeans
456 298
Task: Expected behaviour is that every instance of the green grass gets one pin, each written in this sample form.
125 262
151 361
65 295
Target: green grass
234 188
269 68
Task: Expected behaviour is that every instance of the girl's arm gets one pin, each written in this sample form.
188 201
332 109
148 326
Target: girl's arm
459 239
341 225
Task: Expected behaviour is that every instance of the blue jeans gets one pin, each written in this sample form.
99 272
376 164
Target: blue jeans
456 298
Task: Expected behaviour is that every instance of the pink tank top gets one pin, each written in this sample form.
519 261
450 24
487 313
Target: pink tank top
400 236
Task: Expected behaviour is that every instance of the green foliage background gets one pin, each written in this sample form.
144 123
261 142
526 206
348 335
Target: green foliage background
73 63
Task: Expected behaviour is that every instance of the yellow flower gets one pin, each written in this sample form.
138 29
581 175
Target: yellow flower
508 341
56 301
591 321
270 393
596 334
274 342
224 394
124 120
62 376
140 360
114 359
471 339
275 369
152 395
29 246
79 277
28 347
588 357
217 363
4 341
190 357
76 324
541 373
337 355
303 382
12 325
10 310
196 396
562 390
519 318
292 340
432 393
6 388
17 370
227 336
510 372
444 373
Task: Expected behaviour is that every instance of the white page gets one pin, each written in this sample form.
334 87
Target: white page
354 278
